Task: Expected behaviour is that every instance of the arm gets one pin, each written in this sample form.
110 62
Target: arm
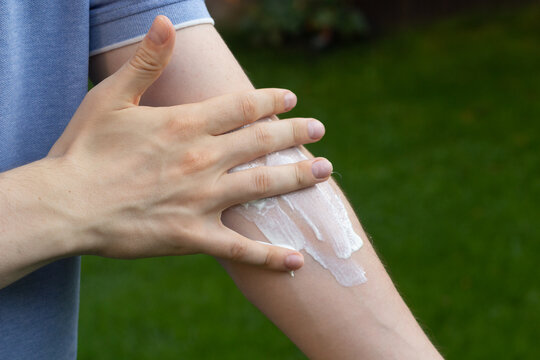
130 181
325 319
35 228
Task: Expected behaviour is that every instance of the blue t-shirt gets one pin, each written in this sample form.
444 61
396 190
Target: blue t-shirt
44 51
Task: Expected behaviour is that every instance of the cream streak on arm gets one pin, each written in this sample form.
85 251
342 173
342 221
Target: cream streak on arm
323 318
313 219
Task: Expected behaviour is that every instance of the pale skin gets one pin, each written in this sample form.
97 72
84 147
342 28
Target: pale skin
323 318
130 181
86 190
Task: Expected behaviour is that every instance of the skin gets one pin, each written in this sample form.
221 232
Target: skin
324 319
130 181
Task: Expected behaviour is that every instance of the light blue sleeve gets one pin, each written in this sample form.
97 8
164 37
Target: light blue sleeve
122 22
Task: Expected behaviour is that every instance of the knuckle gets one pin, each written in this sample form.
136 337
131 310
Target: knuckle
238 250
299 174
263 136
277 101
261 182
173 126
145 60
248 107
298 130
197 160
268 258
179 124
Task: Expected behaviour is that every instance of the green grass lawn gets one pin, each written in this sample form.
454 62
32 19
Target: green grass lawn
435 132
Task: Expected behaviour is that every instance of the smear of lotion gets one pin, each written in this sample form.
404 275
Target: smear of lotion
328 237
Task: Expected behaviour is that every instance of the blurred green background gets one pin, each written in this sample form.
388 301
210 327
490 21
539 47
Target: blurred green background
434 129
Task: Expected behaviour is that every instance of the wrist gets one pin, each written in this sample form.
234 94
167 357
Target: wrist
37 225
67 204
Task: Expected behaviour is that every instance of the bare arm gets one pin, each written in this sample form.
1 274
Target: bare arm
325 319
130 181
35 228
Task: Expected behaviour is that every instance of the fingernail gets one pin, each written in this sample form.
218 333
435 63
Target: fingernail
321 168
293 261
315 129
158 33
290 101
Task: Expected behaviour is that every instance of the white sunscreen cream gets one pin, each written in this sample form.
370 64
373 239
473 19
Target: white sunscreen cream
313 219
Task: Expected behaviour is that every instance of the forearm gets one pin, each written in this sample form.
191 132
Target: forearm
130 181
324 318
36 227
328 320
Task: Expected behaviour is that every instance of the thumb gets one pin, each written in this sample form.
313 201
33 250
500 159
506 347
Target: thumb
228 244
146 65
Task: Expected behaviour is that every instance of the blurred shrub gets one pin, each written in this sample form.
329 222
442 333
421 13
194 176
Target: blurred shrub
319 21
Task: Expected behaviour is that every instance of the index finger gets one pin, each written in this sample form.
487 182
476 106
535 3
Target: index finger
228 112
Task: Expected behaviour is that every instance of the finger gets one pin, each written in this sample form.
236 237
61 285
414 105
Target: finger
147 64
228 112
265 181
265 137
228 244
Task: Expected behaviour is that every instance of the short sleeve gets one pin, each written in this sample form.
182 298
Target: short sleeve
114 24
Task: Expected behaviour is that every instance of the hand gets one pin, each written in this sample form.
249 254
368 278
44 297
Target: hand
153 181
